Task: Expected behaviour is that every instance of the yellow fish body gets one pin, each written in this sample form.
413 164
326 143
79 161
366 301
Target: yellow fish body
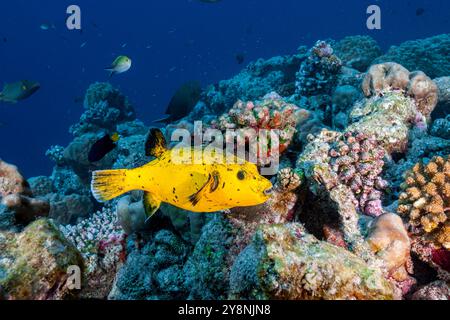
209 186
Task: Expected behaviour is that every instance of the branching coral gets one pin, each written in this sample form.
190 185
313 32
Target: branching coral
358 161
426 199
271 113
318 74
100 240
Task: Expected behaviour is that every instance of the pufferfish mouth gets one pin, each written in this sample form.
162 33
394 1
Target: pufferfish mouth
268 192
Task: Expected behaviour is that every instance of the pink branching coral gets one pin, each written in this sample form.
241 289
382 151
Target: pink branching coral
100 240
358 161
272 113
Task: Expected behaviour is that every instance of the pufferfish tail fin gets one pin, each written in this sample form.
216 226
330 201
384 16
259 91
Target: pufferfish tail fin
109 184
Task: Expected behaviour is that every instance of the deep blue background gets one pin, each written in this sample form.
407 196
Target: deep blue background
169 41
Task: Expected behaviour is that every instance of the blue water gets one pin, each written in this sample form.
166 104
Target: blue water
169 42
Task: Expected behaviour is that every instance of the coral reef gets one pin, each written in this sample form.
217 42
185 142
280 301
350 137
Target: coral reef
429 55
426 200
327 231
357 52
34 263
255 81
319 73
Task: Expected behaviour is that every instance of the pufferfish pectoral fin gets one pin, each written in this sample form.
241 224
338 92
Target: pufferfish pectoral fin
210 185
151 204
155 145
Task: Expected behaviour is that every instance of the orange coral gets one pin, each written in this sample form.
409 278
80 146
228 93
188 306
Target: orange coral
426 199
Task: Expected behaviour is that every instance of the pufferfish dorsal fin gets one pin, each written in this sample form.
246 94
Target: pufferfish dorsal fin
155 144
210 185
151 204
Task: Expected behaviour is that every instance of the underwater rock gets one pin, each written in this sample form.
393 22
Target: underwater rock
131 214
438 290
153 272
17 204
283 262
207 269
255 81
343 99
105 108
443 107
435 61
68 196
357 52
319 73
34 263
188 224
389 239
280 208
387 118
441 128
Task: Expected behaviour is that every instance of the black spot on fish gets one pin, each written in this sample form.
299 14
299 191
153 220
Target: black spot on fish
223 186
238 190
173 191
192 175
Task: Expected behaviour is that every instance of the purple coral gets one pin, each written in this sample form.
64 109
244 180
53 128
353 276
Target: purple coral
358 161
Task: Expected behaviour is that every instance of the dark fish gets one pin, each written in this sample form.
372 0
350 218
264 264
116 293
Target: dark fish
78 99
420 11
183 101
102 147
240 58
21 90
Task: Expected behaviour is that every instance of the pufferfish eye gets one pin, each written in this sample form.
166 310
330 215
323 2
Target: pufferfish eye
241 175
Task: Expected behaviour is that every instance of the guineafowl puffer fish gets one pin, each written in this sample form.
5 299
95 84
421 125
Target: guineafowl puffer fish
208 186
120 65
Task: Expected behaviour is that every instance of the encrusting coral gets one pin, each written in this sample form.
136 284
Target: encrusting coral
425 199
396 77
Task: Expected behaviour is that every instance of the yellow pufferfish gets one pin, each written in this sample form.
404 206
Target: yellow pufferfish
209 186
